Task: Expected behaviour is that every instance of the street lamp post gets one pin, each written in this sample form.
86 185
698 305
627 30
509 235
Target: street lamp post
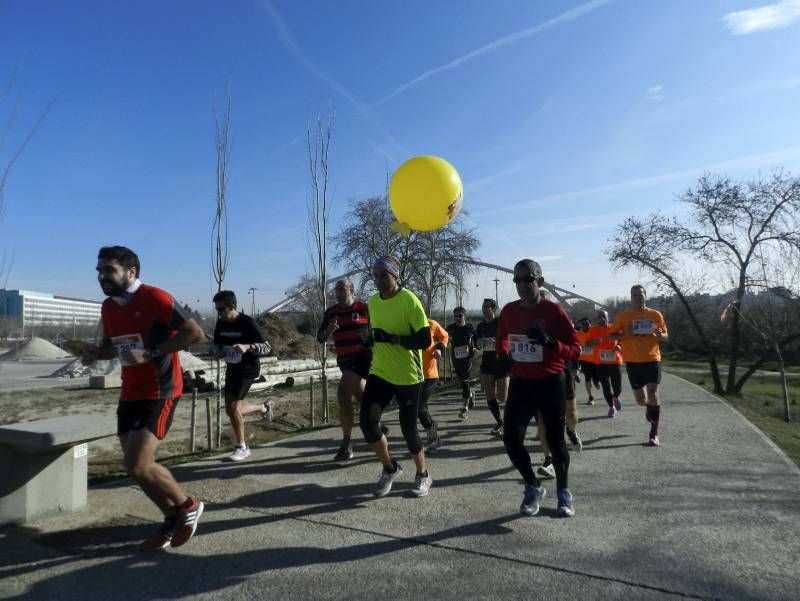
252 292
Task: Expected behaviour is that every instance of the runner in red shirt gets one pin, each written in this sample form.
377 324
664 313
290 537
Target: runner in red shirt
348 322
144 328
535 337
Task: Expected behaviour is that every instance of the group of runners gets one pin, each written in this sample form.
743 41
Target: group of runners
386 348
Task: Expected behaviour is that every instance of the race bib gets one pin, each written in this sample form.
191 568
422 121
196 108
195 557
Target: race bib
461 352
608 355
488 344
643 326
522 349
123 344
586 350
232 356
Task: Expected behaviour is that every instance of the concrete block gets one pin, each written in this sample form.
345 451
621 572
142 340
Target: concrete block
43 465
107 381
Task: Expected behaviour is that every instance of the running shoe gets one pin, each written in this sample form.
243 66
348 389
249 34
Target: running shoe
565 509
653 442
462 415
547 472
239 454
267 412
612 412
344 453
384 486
162 537
497 430
471 402
422 484
590 401
617 403
576 441
531 499
186 519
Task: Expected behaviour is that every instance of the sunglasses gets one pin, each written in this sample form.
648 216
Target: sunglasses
528 279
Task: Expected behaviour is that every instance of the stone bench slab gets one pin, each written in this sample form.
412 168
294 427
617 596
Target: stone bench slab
54 432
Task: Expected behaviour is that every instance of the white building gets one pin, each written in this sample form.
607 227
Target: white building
30 308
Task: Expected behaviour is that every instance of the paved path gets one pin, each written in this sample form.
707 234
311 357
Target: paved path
713 513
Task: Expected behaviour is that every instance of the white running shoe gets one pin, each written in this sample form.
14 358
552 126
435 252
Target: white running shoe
384 486
422 484
239 454
546 471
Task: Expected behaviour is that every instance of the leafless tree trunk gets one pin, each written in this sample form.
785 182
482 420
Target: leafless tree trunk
318 143
219 227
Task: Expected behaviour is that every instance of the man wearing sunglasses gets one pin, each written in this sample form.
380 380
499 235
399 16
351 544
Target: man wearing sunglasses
400 331
535 338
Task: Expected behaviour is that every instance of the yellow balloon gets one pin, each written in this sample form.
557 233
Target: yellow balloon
425 194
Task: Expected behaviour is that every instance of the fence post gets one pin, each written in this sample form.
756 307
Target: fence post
208 422
311 397
324 379
192 440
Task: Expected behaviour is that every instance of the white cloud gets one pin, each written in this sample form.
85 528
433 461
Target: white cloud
512 38
773 16
655 92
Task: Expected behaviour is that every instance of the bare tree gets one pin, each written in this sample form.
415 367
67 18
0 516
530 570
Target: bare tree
430 262
318 144
219 227
730 224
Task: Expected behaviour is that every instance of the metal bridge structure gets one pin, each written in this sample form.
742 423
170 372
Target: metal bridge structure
562 295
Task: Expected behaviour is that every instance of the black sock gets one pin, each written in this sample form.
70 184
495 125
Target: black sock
494 407
391 468
423 474
547 461
653 416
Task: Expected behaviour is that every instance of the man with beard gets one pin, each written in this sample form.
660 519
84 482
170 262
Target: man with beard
143 326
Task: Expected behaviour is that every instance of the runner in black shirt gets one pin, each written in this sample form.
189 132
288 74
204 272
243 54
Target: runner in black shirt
238 339
494 376
462 343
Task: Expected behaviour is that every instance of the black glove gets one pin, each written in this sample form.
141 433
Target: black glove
542 338
381 336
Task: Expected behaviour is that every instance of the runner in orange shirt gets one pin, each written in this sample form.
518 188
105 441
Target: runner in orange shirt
430 370
640 330
608 359
586 359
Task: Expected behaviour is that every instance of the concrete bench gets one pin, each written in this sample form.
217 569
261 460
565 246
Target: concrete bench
43 465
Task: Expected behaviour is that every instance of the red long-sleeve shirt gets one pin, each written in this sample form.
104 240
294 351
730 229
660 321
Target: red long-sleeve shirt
530 360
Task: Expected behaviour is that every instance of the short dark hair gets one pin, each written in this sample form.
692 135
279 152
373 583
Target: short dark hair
459 310
533 266
122 255
226 297
490 301
640 287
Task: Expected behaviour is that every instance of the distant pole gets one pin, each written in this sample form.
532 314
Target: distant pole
496 297
252 292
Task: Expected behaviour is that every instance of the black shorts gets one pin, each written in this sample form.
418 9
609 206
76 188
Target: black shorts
357 363
569 384
155 415
462 368
492 367
642 374
237 385
589 370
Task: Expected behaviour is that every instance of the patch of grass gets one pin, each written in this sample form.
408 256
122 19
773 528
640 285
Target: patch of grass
761 401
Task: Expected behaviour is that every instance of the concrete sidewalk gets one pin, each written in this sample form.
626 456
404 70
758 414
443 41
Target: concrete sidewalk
713 513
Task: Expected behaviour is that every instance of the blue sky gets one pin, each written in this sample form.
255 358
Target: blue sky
563 118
